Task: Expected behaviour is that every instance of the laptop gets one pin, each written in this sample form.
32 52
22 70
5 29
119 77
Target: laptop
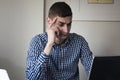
105 68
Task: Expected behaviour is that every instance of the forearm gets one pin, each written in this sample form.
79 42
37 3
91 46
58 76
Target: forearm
48 48
37 59
36 69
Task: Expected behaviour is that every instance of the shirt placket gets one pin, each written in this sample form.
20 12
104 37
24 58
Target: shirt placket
60 60
62 57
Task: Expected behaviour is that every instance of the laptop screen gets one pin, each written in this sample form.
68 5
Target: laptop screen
105 68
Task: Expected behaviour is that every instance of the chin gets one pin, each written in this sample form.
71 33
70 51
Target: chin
58 42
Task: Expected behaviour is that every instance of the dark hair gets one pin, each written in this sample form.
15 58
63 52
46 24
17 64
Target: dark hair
60 9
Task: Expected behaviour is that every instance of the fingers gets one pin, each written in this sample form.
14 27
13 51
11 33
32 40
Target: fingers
54 27
53 22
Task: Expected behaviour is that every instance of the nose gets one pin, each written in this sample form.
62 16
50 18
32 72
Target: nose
66 28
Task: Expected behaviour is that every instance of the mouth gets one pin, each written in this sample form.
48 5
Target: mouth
63 36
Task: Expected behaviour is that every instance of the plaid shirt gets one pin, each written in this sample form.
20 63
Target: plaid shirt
62 63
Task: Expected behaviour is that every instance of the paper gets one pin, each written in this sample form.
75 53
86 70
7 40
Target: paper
4 75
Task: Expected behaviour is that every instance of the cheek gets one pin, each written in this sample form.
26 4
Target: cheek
64 29
69 28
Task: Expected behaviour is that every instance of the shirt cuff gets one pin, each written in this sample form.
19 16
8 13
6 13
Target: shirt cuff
43 58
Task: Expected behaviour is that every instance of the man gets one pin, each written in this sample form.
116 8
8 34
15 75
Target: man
54 54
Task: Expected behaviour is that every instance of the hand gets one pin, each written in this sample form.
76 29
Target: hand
52 32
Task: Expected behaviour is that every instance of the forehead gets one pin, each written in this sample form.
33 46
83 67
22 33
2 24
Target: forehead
64 19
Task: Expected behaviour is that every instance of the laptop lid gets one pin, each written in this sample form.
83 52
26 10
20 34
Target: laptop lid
105 68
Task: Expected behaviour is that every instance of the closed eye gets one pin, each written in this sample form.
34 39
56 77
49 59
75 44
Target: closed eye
69 24
61 24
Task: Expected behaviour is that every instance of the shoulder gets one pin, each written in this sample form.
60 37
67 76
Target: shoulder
78 39
75 36
39 38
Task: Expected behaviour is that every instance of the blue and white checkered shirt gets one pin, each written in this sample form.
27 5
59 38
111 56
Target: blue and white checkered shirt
62 63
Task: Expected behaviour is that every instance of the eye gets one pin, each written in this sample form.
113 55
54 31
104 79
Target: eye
69 24
61 24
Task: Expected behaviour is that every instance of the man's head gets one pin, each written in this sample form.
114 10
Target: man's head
60 13
60 9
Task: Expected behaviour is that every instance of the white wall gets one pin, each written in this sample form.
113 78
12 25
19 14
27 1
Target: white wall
103 36
20 20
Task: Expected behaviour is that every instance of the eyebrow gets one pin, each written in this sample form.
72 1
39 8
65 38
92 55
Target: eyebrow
65 23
